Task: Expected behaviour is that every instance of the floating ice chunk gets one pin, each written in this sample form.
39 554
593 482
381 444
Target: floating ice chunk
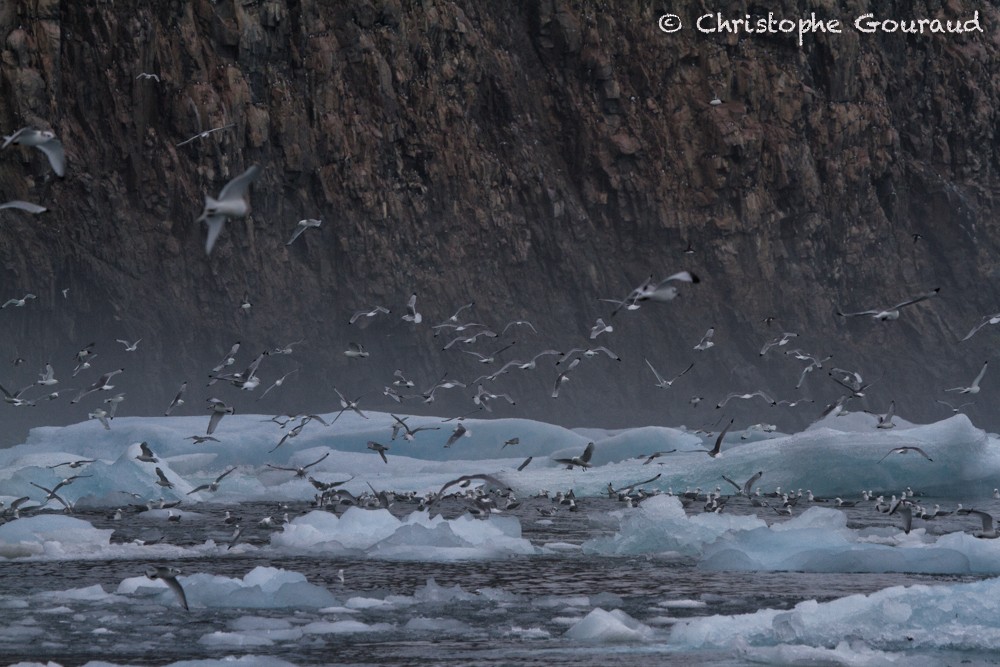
660 525
261 588
344 627
417 537
51 535
609 626
819 541
233 661
219 638
845 653
437 625
357 528
962 617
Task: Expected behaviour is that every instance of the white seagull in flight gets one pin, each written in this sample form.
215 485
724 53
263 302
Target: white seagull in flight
892 313
302 226
974 387
230 204
43 140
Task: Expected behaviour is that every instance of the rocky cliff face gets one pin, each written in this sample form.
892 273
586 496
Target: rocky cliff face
531 157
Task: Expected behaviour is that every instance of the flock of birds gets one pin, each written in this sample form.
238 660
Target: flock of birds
232 202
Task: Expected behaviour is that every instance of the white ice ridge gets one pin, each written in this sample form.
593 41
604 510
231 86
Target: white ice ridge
963 617
358 532
417 537
818 540
838 456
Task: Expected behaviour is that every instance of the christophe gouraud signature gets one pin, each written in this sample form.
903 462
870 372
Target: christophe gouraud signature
758 24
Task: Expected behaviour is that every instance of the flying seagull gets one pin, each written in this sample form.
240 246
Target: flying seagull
368 313
23 206
891 313
356 351
162 479
717 450
989 532
230 204
599 328
212 486
706 340
411 311
650 291
302 226
747 396
219 410
129 347
777 342
974 387
583 460
989 319
178 399
168 575
903 450
43 140
102 384
747 486
205 134
379 448
300 471
459 432
885 421
277 383
955 408
146 454
18 303
663 383
47 377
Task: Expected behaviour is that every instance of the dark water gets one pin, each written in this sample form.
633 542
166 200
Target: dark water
526 605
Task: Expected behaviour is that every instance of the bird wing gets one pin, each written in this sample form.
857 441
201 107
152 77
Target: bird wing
986 320
587 453
738 487
175 586
220 477
683 372
24 206
982 372
718 441
239 185
659 380
917 299
319 460
490 479
750 482
213 421
53 150
215 223
296 234
863 312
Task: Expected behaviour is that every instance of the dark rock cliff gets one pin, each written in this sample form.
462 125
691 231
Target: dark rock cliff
533 157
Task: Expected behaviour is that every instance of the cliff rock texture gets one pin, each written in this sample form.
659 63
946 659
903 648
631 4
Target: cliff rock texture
533 157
